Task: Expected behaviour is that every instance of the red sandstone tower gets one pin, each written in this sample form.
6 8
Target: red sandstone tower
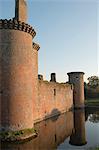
76 78
17 84
35 80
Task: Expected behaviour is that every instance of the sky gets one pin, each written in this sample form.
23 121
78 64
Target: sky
67 32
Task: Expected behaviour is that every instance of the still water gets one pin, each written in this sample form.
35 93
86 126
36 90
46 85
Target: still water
69 131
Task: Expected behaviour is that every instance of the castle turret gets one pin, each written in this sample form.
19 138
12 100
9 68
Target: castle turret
21 10
40 77
76 78
16 74
53 77
36 47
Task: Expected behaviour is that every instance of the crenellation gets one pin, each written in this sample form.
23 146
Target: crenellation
40 77
17 25
36 46
53 77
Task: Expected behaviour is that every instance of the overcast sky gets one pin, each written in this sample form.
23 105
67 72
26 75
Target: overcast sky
67 31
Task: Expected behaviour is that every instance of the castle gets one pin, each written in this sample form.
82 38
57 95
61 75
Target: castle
25 98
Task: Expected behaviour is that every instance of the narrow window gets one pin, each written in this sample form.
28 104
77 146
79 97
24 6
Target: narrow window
71 87
54 92
55 138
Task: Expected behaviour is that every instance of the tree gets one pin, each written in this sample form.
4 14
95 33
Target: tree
93 81
94 117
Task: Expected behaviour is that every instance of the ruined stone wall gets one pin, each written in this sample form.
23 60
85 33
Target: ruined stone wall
53 98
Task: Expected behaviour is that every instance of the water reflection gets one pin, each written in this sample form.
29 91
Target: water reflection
51 133
59 131
92 115
94 118
78 136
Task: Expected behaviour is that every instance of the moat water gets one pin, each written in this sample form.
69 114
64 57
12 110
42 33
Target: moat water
69 131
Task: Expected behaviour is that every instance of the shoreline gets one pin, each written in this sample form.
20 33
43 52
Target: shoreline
17 136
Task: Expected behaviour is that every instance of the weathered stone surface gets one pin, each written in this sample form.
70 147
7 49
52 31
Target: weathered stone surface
16 80
77 79
35 78
21 10
53 98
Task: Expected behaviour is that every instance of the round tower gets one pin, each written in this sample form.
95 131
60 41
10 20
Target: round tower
16 88
36 47
16 74
76 78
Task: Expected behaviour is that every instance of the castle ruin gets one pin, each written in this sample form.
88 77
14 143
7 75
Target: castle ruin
25 98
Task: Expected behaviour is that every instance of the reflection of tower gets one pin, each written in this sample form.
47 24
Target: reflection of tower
51 133
76 78
78 136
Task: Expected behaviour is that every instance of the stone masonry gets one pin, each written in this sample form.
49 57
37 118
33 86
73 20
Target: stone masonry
25 99
76 78
21 10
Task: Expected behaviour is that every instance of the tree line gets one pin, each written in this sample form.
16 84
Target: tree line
92 87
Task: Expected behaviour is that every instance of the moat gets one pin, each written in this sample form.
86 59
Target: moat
65 131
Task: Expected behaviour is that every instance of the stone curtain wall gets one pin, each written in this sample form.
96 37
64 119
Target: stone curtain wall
53 98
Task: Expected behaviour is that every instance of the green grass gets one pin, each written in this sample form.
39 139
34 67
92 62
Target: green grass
92 102
13 135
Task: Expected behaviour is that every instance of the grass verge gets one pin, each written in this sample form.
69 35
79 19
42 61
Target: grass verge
92 102
17 135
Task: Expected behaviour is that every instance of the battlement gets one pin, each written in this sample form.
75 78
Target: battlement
17 25
76 73
36 46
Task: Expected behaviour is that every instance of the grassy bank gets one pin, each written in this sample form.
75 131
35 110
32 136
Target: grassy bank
14 136
92 102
